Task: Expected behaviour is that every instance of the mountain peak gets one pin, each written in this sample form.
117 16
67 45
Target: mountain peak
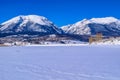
29 23
105 20
106 25
33 18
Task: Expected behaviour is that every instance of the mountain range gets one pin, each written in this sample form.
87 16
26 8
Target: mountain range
108 26
31 24
41 26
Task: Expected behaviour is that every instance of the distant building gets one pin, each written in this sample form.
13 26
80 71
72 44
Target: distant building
97 38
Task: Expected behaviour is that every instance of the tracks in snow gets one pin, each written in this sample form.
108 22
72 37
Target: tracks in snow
46 73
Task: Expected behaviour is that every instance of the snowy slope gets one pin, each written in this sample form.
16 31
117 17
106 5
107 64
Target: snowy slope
106 20
49 63
109 41
109 26
78 28
29 23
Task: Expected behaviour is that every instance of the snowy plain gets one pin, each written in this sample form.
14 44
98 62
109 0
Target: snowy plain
60 63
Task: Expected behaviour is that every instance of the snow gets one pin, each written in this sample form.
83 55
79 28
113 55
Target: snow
33 18
106 20
13 20
83 28
80 28
38 19
29 23
60 63
109 41
7 23
68 43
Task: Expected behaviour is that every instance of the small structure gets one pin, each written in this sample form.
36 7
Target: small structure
97 38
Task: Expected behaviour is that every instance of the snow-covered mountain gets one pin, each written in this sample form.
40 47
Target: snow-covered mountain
29 24
109 26
36 29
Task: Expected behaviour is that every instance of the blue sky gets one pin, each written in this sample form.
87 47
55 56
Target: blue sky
61 12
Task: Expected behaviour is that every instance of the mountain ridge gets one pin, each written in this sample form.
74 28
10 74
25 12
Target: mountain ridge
107 26
36 29
29 23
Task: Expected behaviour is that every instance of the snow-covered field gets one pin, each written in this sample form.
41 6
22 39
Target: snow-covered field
60 63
